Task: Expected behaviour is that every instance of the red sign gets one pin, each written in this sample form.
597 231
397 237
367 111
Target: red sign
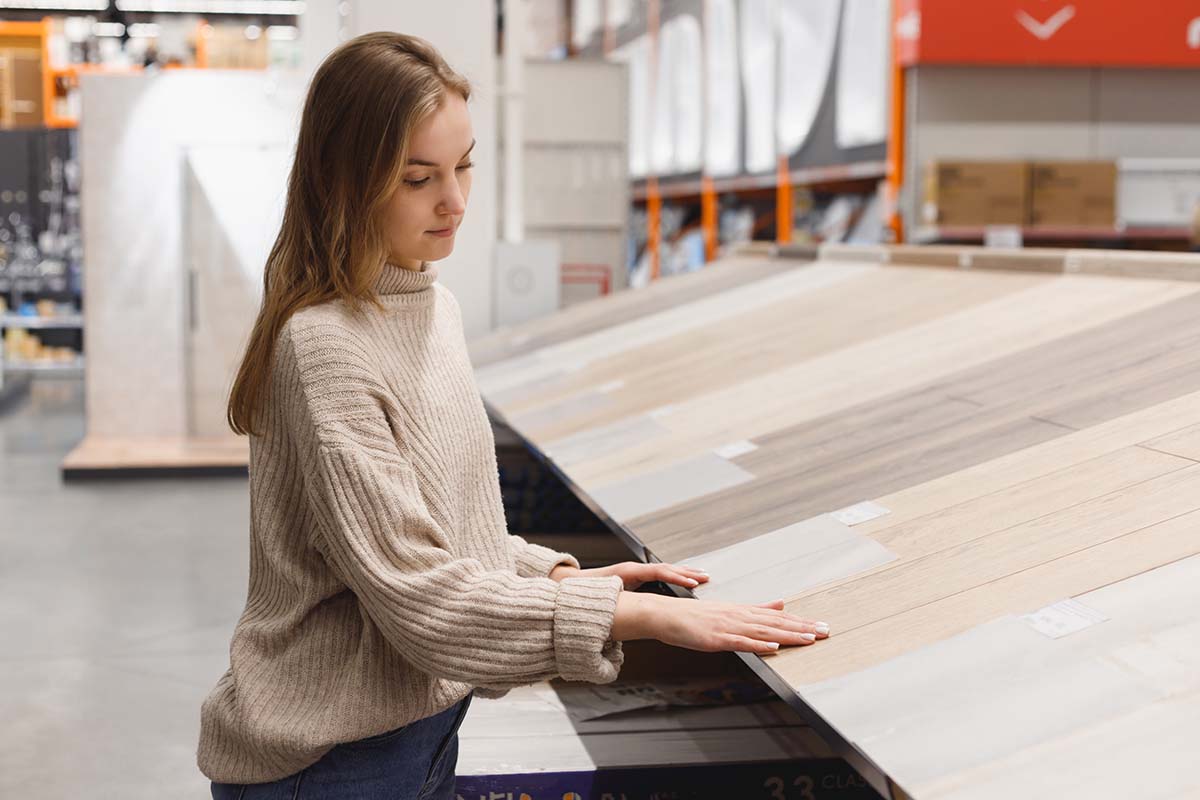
1110 33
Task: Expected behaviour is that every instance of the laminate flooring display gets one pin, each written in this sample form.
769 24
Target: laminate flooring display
987 481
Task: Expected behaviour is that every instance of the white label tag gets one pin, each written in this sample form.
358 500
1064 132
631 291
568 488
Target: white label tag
735 449
1007 237
1063 618
861 512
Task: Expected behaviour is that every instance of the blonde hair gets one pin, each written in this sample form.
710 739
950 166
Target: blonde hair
362 106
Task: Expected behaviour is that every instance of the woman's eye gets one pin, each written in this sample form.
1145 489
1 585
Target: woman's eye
467 165
415 184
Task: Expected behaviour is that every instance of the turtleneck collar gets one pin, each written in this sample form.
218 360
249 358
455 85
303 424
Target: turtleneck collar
398 280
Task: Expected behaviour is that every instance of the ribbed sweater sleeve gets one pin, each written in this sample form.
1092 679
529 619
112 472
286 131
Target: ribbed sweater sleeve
450 616
535 561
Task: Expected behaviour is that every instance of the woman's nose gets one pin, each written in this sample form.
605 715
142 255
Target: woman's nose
453 202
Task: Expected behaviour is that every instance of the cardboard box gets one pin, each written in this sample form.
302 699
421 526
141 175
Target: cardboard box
20 87
1074 193
971 193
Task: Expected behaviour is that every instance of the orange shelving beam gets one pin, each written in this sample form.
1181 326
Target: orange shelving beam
783 203
708 217
895 143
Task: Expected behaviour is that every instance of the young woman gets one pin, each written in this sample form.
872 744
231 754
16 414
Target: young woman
384 588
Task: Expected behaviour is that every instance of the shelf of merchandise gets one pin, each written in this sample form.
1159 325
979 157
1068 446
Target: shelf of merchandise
1055 233
65 321
73 368
813 176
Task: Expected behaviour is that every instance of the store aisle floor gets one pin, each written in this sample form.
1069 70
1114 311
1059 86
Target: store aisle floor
116 604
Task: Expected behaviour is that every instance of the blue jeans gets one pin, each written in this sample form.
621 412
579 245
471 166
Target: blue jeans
415 762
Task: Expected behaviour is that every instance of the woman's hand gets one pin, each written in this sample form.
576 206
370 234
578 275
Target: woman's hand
712 627
635 573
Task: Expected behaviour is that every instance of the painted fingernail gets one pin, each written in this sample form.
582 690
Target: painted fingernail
691 582
808 637
822 629
773 645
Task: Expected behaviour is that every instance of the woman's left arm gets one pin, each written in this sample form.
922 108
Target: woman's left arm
635 573
536 561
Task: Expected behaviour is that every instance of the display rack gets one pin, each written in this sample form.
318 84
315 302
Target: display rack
1046 233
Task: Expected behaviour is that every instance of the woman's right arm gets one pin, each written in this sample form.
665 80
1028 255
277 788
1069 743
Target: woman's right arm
711 626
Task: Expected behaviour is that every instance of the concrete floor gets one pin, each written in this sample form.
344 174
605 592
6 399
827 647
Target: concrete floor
117 600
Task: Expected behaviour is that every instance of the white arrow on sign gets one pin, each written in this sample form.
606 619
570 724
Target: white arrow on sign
1044 30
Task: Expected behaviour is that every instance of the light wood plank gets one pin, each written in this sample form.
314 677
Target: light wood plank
604 312
1019 592
880 367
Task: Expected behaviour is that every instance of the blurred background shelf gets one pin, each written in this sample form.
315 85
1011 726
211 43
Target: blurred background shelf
22 321
1054 233
66 369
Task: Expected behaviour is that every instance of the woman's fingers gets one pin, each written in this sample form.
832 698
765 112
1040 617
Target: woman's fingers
792 623
668 573
744 644
785 636
775 604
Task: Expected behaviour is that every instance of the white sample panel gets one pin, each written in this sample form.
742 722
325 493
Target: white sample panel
234 205
807 35
527 280
862 85
759 23
132 152
723 91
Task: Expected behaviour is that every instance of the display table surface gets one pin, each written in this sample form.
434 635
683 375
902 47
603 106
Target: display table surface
981 468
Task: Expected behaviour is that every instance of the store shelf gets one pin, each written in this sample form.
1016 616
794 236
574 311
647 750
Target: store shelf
71 321
60 368
1053 233
670 188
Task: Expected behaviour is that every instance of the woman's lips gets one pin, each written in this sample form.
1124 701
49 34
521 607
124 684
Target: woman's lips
442 232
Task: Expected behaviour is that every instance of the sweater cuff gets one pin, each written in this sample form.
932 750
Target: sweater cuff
583 620
535 561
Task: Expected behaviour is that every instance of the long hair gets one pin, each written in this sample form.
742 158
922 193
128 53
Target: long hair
362 106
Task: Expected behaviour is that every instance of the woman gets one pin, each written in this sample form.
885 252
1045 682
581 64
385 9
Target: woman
384 588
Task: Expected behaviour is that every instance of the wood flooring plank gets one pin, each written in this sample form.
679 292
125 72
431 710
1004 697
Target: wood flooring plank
971 520
1018 592
581 350
1184 443
977 559
593 315
824 485
906 359
1125 263
1036 462
1145 753
1002 687
677 483
784 562
738 348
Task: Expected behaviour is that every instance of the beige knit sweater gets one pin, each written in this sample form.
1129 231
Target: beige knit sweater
383 583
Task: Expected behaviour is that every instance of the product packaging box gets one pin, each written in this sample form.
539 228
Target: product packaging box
970 193
1082 193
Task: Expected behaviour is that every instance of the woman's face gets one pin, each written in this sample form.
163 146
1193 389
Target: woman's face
423 215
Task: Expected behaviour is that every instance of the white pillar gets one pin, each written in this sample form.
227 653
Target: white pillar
515 21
